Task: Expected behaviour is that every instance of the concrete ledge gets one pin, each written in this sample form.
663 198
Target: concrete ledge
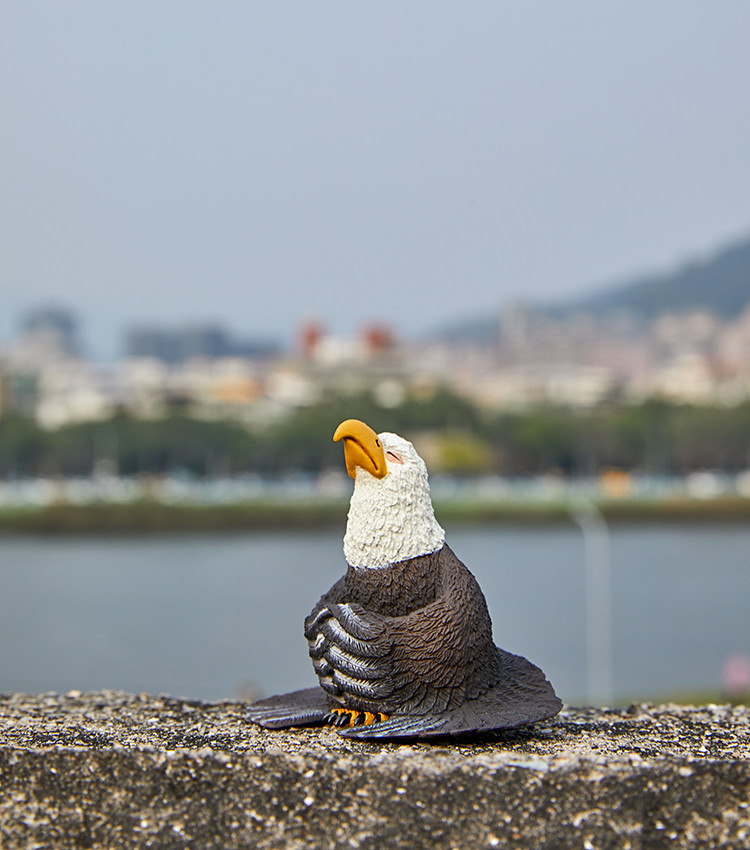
115 770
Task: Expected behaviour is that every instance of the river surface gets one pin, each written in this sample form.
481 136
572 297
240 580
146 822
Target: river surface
213 617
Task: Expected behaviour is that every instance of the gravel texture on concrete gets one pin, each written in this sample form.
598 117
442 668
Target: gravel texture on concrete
110 769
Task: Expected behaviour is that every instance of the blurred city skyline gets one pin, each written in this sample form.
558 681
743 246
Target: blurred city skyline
257 166
713 286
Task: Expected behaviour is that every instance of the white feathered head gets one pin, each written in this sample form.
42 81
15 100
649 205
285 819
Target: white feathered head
391 518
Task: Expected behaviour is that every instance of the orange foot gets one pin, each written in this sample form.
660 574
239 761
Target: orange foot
352 717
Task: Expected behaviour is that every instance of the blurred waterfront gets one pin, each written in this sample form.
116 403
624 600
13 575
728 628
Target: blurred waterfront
185 489
212 617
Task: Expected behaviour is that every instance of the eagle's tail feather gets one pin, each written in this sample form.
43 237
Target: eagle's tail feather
299 708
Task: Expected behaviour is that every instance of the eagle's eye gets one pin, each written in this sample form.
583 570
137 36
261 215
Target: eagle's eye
394 456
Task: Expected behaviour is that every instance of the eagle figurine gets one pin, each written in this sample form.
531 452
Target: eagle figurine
402 644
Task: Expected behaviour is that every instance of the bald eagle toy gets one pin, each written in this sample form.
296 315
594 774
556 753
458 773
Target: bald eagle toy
402 644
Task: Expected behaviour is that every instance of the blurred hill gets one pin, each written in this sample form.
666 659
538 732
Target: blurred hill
719 283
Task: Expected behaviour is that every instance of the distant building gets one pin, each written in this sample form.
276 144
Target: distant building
48 335
151 343
310 335
73 391
378 338
178 345
55 325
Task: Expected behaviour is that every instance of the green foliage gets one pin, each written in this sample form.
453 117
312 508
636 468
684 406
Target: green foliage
23 446
305 440
655 437
128 445
463 454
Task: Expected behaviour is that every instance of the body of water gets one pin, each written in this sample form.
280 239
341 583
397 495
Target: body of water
209 617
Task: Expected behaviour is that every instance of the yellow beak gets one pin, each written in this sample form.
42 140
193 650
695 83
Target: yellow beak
362 448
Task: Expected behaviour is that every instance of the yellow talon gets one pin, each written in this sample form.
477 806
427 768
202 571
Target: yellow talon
353 717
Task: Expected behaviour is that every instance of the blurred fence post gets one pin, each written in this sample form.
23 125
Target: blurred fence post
598 583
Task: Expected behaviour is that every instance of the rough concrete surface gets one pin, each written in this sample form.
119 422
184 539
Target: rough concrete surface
115 770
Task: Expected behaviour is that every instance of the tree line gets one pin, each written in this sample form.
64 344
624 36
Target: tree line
455 436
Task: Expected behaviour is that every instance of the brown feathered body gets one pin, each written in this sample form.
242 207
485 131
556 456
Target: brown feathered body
423 637
413 641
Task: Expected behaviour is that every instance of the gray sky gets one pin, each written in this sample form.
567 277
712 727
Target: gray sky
259 163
